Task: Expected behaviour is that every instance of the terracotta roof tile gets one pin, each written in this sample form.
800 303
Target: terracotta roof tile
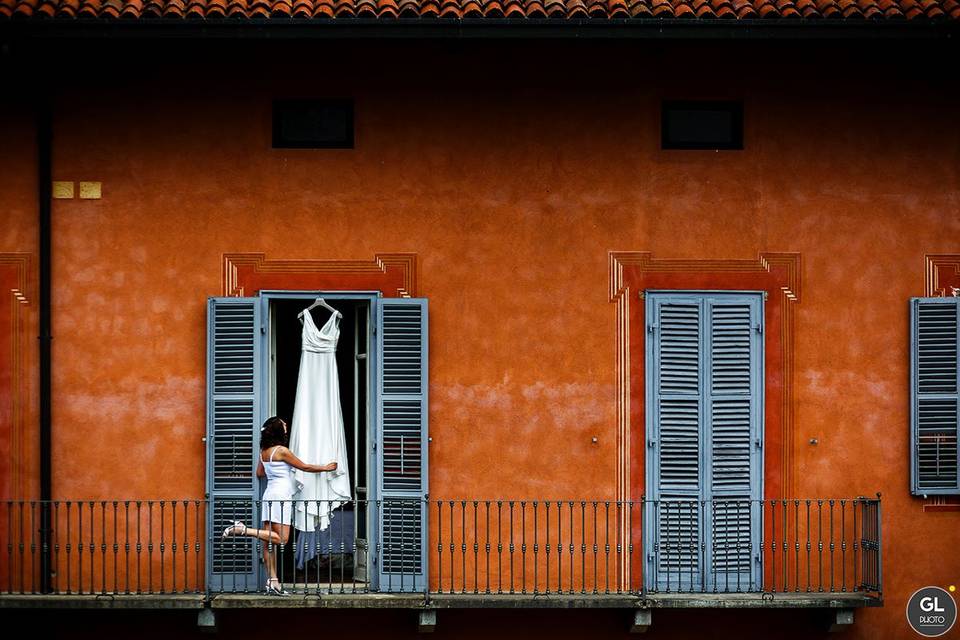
514 10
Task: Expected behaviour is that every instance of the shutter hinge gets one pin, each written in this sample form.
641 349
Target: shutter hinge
651 328
373 446
765 295
759 443
651 444
263 329
643 294
758 327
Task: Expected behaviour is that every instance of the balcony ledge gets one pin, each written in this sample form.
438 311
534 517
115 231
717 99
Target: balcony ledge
448 601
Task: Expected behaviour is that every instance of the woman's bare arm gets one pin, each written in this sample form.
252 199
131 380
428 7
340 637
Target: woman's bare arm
261 473
287 456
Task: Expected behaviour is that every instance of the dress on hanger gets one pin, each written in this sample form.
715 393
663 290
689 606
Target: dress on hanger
316 432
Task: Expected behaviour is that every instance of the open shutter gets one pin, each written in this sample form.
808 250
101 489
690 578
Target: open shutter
674 357
233 349
934 396
733 429
402 443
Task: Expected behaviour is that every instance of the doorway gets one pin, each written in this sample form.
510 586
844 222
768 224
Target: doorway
342 550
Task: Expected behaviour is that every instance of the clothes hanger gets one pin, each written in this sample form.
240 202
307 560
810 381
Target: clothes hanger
319 302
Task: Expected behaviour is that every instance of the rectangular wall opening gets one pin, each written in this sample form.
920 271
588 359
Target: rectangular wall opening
342 548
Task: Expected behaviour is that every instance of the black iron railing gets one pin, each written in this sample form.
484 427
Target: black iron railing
473 547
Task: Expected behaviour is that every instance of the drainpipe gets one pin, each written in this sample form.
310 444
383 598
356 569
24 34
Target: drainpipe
44 195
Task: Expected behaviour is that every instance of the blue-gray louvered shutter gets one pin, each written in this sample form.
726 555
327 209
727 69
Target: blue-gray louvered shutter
704 393
673 432
733 434
402 443
934 396
233 349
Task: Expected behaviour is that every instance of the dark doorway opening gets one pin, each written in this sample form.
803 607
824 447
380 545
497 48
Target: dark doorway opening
341 550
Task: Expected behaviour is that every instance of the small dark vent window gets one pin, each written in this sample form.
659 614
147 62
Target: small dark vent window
702 125
313 124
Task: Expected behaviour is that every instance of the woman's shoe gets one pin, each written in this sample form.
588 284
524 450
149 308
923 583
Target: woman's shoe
274 588
236 529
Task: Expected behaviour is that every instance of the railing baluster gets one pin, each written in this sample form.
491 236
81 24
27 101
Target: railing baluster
786 548
854 505
773 544
139 548
476 551
832 546
761 508
499 546
571 545
796 545
150 548
163 546
56 547
583 547
808 546
463 546
595 549
536 552
820 545
196 546
186 547
453 577
523 546
440 545
559 547
33 546
487 546
688 542
701 542
643 501
606 546
173 546
510 503
546 516
843 545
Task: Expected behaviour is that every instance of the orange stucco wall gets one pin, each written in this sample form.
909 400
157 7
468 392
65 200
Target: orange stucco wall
511 170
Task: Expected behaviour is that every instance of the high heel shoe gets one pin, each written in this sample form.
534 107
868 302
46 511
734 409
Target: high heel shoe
274 588
236 529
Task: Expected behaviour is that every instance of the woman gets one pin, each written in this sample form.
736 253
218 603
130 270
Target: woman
277 509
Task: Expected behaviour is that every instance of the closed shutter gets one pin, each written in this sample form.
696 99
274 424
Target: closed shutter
675 350
934 396
704 375
402 443
734 418
233 418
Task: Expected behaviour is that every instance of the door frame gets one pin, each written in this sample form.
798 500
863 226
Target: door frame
266 381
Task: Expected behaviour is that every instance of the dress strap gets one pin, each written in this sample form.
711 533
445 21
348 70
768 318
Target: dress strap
273 452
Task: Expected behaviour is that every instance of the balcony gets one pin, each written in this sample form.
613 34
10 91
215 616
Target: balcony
813 553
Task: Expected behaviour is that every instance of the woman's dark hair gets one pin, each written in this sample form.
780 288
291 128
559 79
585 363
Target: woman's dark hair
272 433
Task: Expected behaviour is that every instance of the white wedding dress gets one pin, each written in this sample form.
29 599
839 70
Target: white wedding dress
316 435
